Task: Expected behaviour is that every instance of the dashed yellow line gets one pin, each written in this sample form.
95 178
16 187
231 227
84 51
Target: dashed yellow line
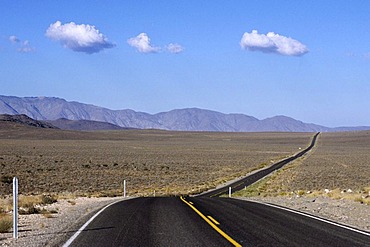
213 220
213 225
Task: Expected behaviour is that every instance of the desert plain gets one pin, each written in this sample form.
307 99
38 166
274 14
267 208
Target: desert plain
151 161
173 163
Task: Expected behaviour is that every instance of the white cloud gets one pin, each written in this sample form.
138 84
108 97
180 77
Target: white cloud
26 47
272 43
23 46
142 44
14 39
174 48
80 38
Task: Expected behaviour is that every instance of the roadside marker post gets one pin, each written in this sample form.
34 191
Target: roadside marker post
124 188
15 208
229 191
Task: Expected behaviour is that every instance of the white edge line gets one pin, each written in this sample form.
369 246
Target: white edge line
314 217
69 242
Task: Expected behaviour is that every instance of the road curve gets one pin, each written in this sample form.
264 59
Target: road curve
246 181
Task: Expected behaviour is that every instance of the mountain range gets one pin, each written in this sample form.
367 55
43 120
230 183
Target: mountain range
75 115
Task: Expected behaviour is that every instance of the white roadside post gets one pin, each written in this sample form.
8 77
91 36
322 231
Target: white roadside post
15 208
124 188
229 191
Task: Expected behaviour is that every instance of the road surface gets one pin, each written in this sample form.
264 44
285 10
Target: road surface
244 182
172 221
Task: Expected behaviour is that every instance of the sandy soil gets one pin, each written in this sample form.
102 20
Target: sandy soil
38 230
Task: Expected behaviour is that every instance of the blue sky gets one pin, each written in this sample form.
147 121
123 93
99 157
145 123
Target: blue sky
307 60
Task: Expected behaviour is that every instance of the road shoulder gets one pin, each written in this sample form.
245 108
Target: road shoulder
54 230
343 211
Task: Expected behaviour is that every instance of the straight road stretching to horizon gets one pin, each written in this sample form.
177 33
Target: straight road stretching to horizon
173 221
248 180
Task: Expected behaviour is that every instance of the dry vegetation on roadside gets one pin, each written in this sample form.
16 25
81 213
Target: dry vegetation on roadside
338 167
27 204
6 222
95 163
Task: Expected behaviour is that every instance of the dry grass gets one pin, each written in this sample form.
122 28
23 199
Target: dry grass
29 204
340 164
95 163
6 223
5 205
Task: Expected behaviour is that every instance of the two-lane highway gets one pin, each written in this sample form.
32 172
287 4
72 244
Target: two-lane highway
248 180
173 222
166 221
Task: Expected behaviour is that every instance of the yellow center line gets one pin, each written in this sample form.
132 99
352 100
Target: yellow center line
213 220
211 223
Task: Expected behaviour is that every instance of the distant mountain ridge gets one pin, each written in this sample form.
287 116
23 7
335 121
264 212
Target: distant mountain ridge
190 119
25 120
85 125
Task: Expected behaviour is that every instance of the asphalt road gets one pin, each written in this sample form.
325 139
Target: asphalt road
173 222
254 224
149 222
244 182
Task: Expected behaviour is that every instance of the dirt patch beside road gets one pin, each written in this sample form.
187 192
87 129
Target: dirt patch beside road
38 230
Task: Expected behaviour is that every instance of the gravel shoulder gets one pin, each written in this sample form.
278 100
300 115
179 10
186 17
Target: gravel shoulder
55 229
343 211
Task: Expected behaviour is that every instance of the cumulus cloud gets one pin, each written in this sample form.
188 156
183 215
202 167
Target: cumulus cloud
26 47
272 43
14 39
78 37
174 48
142 44
23 46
